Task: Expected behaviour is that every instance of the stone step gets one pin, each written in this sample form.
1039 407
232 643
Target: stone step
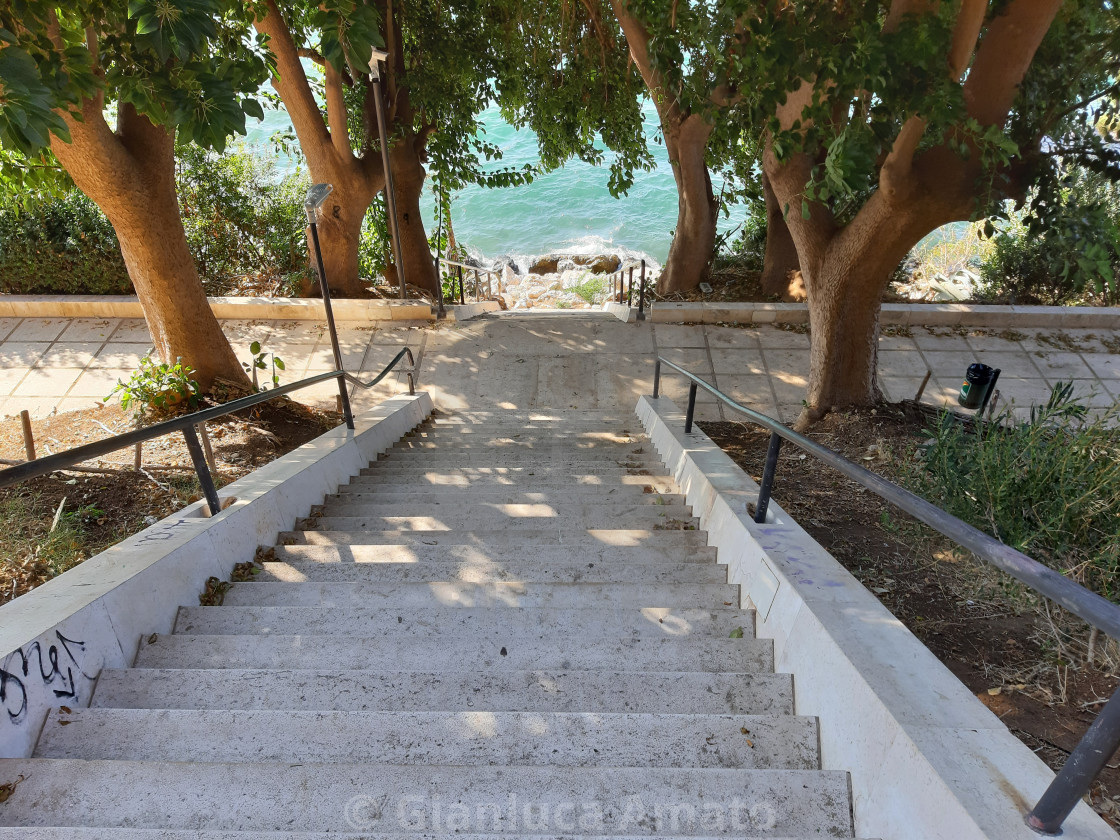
418 482
494 596
456 516
512 739
545 557
392 494
646 801
438 504
577 541
163 834
687 692
477 624
591 475
486 457
455 447
485 571
484 436
442 649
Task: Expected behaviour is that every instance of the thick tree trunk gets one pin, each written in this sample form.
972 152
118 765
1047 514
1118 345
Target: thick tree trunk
416 253
690 253
780 258
131 177
340 231
844 319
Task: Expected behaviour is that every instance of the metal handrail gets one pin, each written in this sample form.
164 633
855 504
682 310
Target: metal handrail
1103 737
186 424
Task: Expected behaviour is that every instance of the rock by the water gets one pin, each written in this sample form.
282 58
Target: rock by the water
600 263
544 265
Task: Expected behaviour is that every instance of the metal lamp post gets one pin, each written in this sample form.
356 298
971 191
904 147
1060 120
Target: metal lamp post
313 206
390 196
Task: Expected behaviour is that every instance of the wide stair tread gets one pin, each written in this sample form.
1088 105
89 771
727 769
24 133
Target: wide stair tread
506 607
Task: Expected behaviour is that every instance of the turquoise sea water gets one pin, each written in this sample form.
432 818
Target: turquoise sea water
569 209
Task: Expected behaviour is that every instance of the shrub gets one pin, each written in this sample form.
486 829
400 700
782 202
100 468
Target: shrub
157 387
1066 251
1049 486
243 220
60 245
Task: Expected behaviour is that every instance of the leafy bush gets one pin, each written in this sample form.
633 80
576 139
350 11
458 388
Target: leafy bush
156 387
263 360
1064 251
244 222
60 246
1049 486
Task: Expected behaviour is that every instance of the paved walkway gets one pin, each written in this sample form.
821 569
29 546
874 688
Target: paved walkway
561 360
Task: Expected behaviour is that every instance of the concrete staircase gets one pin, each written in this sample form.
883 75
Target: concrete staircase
508 626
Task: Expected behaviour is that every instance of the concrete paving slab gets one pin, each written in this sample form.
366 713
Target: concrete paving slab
571 570
89 329
440 651
337 797
38 329
131 331
22 353
49 382
7 327
493 556
654 692
499 596
409 627
516 739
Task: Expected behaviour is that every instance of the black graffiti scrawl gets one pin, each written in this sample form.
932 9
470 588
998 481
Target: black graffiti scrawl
57 666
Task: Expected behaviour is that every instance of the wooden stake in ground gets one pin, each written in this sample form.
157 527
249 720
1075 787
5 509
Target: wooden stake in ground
28 437
206 448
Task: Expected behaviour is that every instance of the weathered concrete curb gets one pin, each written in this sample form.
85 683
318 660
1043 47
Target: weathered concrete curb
56 639
469 311
248 308
624 313
927 759
897 314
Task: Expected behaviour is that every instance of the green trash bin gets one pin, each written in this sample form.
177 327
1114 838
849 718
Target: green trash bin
978 381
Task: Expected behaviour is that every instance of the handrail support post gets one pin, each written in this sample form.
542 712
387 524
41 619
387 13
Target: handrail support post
344 396
768 470
656 377
204 477
1084 764
691 408
642 293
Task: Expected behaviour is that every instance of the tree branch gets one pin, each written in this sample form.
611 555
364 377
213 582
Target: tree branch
970 20
292 85
900 161
1005 53
336 112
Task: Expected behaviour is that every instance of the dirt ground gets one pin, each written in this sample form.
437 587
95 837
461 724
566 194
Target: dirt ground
1023 661
53 522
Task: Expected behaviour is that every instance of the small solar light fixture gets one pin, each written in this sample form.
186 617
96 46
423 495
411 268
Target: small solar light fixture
376 57
313 207
313 203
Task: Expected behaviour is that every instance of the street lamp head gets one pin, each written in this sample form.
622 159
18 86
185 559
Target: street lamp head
315 198
375 62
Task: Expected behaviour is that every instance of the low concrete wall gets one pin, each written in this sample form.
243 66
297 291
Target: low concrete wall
927 759
469 311
899 314
249 308
56 639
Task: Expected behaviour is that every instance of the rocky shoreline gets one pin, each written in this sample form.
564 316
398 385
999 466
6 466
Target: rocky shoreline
559 280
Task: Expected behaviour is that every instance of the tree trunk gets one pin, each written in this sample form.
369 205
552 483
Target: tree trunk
340 231
844 337
130 175
781 253
416 253
691 250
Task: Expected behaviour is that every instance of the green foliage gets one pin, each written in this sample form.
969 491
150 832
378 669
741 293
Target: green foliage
188 64
60 245
156 387
242 218
263 361
31 544
374 246
1049 486
593 289
1065 250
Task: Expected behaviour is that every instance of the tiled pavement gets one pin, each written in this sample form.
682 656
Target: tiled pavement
569 360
